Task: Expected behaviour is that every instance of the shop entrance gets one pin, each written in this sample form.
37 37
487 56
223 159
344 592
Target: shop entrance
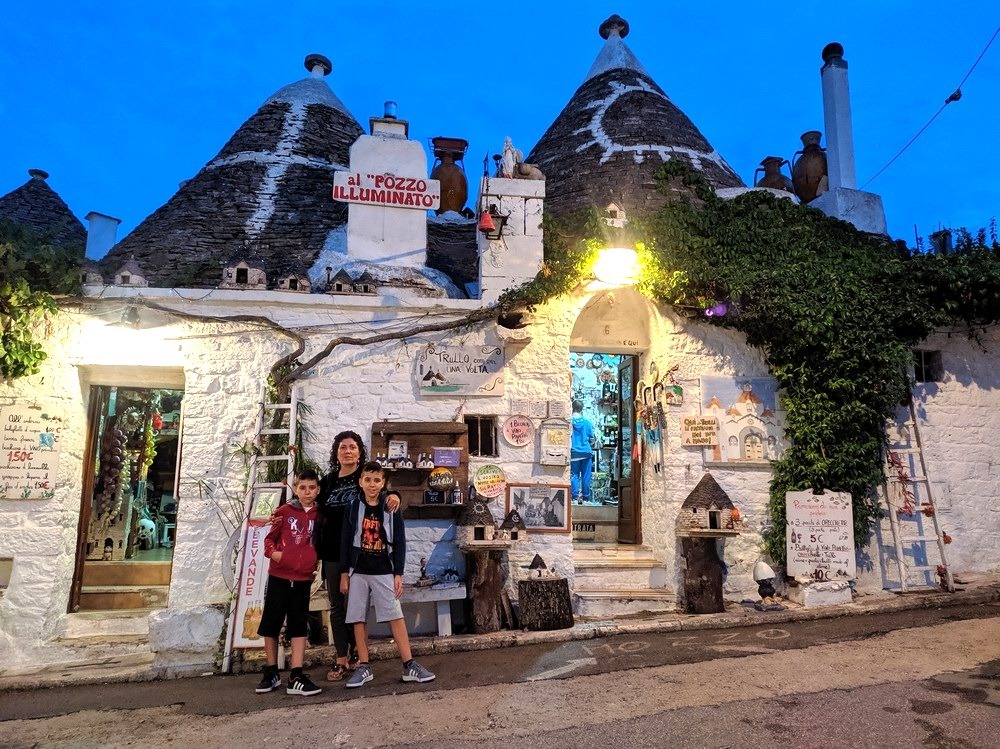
604 472
128 512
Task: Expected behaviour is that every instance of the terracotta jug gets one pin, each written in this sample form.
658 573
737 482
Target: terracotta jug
773 178
809 174
451 175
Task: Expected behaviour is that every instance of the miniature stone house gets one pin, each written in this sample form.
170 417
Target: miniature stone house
342 283
130 274
707 511
243 272
475 524
295 282
90 274
365 284
513 528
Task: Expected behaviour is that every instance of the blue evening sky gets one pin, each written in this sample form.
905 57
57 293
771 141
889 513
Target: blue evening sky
121 101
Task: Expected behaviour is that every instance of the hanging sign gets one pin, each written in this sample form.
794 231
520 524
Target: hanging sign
490 481
441 479
699 430
555 442
29 452
819 535
387 190
459 370
518 430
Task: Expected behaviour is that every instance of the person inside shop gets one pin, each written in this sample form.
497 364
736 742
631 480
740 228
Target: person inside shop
581 454
373 546
290 545
339 487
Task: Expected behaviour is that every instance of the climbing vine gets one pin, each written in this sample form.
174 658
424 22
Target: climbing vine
834 310
31 271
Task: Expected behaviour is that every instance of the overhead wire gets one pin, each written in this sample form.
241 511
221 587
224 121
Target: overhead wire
954 96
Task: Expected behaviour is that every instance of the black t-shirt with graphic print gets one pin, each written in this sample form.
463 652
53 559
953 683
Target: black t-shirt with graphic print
373 558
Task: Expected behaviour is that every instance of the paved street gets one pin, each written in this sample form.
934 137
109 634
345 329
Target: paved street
913 678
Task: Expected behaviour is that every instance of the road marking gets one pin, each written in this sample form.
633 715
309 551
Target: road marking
754 649
571 665
774 634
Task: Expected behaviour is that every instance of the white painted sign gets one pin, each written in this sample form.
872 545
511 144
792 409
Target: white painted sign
699 430
29 452
252 580
819 535
387 190
459 370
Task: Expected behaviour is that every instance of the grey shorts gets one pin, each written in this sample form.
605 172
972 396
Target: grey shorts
368 590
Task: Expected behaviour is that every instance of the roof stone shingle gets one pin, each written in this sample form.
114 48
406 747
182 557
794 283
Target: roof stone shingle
268 188
38 207
616 131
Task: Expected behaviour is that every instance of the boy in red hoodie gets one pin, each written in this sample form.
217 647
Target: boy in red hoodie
289 545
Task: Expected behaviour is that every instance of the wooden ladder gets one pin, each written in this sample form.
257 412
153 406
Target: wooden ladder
920 557
273 419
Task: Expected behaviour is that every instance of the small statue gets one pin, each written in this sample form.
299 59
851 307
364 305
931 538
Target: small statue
423 568
510 157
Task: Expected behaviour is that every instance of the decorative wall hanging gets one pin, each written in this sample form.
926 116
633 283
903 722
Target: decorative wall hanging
518 431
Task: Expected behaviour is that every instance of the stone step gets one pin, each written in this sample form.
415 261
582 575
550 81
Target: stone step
121 623
114 597
623 575
610 550
612 603
126 573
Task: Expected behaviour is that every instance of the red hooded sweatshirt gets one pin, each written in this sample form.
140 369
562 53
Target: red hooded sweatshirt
292 533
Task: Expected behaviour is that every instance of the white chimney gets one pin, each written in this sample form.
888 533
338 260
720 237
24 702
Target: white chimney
102 233
837 118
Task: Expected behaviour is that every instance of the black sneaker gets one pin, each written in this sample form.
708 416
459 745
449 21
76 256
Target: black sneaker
303 685
269 682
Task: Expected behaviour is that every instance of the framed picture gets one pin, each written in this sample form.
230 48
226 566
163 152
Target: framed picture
545 508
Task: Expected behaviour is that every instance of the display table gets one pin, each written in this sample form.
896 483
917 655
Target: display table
545 603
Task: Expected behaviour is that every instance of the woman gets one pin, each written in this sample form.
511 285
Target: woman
337 489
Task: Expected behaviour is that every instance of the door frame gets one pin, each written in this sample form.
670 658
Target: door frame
630 506
94 409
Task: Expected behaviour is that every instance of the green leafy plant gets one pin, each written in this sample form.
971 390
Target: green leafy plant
32 270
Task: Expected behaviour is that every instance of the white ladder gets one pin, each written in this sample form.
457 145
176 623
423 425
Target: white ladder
910 505
284 416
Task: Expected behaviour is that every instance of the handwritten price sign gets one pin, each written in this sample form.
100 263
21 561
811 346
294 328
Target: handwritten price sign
29 452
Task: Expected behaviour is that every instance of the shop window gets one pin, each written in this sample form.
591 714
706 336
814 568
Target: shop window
927 366
242 275
482 436
6 570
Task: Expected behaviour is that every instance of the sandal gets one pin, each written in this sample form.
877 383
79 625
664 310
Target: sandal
338 672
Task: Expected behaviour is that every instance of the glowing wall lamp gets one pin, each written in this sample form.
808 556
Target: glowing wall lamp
617 266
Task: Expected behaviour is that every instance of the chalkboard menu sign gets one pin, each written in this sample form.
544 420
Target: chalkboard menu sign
29 452
820 535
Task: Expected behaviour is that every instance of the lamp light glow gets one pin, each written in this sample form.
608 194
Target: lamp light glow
617 266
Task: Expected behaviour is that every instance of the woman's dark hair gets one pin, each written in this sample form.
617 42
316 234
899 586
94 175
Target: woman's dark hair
362 453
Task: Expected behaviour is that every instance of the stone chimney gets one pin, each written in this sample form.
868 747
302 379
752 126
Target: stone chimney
837 118
102 233
843 200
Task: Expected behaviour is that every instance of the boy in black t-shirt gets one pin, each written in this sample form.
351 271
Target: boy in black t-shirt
373 555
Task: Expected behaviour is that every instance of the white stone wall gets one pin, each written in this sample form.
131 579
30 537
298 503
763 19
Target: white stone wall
221 367
959 422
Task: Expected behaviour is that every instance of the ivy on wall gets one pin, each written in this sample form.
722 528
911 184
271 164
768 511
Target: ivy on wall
835 311
31 271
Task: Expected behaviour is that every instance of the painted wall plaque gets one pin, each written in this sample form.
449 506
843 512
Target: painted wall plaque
29 452
699 430
441 370
518 431
751 427
490 481
819 535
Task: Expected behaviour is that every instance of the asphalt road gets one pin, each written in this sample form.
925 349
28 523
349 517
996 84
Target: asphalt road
234 695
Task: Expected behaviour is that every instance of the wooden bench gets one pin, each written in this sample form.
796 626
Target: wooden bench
441 597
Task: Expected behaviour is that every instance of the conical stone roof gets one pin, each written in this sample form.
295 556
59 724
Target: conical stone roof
267 191
616 131
38 207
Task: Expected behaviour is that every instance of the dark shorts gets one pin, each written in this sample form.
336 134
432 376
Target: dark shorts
285 598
